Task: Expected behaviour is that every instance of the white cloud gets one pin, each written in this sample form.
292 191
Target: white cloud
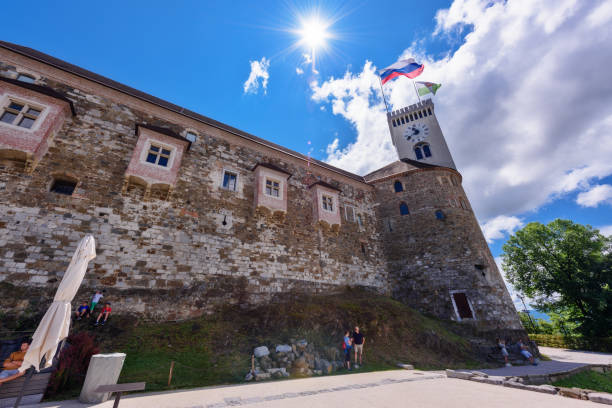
299 71
606 230
524 104
599 194
259 70
497 227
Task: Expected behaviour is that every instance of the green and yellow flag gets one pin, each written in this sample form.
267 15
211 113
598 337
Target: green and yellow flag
427 87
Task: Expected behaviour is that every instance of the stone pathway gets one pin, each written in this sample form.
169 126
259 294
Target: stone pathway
576 356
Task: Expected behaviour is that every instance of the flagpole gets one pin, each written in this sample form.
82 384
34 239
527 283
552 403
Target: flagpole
415 90
383 95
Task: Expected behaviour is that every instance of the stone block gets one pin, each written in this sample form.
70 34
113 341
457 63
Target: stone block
545 388
601 397
261 351
514 384
462 375
262 376
104 369
494 380
405 366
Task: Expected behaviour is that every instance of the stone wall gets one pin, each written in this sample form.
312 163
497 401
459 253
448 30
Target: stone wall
205 243
431 256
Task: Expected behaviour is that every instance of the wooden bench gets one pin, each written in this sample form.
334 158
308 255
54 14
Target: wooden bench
121 388
32 393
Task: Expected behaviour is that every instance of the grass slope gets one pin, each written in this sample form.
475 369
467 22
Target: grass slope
217 349
590 380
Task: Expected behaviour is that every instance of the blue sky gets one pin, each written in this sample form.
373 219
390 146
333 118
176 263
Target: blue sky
532 138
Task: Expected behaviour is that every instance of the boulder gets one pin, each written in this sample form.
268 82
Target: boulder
462 375
262 376
300 363
265 362
283 348
261 351
317 372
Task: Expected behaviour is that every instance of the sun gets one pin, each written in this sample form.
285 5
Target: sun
314 33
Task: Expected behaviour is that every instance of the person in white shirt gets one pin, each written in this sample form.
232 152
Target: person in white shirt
95 300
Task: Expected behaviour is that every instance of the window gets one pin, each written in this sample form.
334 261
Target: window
420 114
402 119
429 110
440 215
425 113
350 213
426 150
462 305
229 180
158 155
191 136
394 125
398 186
20 114
26 78
359 220
422 150
363 248
404 209
328 203
418 152
272 188
411 118
61 186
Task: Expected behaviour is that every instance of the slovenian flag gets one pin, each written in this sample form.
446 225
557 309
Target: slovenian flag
408 68
427 87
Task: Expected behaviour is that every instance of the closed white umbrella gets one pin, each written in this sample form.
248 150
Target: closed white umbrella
55 324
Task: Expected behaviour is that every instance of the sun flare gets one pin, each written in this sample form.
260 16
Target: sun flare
314 33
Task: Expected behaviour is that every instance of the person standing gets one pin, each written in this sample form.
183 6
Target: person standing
346 346
358 342
95 300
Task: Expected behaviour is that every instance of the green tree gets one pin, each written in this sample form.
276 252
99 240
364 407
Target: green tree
567 269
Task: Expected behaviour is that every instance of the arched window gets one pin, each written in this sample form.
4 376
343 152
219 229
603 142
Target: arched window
404 209
398 186
426 150
418 152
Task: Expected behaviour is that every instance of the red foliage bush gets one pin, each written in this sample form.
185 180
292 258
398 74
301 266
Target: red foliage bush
73 363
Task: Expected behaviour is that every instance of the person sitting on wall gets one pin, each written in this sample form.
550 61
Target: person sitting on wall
83 311
11 365
524 349
106 310
502 346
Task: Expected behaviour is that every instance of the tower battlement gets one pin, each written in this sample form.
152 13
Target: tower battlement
426 103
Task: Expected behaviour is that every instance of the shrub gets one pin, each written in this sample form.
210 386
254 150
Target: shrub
73 363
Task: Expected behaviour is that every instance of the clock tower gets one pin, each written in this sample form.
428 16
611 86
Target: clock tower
416 135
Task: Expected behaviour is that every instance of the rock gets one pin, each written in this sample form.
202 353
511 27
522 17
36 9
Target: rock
545 388
462 375
405 366
300 363
601 397
283 348
248 377
571 392
262 376
317 372
495 380
265 362
480 374
326 366
261 351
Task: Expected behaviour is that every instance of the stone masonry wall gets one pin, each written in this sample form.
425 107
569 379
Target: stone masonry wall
204 245
430 257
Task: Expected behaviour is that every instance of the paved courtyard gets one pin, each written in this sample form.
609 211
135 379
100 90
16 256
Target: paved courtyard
397 388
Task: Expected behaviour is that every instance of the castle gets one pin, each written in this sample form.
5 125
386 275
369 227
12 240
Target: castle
190 213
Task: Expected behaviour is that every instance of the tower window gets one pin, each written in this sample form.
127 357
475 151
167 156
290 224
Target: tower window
20 114
398 186
63 186
229 180
407 119
349 213
394 125
420 114
328 203
404 209
425 113
26 78
440 215
359 220
426 150
411 117
402 119
462 305
158 155
429 110
272 188
418 152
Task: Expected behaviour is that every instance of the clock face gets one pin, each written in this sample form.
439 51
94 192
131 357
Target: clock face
416 133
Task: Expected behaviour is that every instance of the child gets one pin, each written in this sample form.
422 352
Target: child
525 351
83 310
106 310
95 299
